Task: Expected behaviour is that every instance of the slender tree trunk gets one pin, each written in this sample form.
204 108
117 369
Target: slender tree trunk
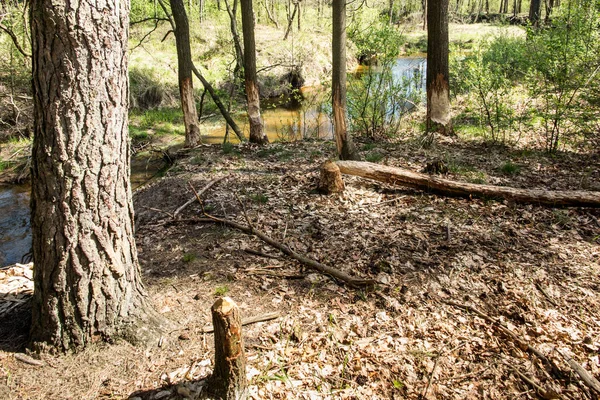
391 12
184 63
345 147
438 89
299 15
239 54
201 4
270 14
86 275
290 22
257 132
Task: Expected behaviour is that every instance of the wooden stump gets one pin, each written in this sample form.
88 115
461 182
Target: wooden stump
330 180
229 376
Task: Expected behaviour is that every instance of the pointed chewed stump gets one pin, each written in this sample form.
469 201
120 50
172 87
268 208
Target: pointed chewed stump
330 180
229 377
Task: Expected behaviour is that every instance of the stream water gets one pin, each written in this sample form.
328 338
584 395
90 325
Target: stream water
297 121
15 232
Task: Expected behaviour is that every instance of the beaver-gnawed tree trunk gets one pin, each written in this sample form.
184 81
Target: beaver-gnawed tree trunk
438 89
345 147
257 132
86 274
184 63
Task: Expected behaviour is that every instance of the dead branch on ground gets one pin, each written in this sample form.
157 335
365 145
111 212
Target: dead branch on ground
446 187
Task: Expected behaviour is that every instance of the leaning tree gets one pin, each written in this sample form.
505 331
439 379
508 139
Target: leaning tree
86 276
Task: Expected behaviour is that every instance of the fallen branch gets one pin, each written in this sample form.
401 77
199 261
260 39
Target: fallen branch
404 177
543 393
523 345
28 360
248 321
200 193
307 262
261 254
585 376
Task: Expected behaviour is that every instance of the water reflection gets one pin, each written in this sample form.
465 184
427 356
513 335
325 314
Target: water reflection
310 117
15 231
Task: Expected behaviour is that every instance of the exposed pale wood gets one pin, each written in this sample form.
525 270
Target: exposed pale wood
585 376
404 177
330 179
229 377
28 360
248 321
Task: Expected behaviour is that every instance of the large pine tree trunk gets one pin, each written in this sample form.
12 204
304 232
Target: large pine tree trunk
438 89
345 147
257 132
86 274
184 63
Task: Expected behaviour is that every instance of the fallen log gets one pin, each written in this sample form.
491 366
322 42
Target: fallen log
404 177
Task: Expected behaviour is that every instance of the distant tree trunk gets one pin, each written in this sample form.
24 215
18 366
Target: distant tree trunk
239 54
184 63
534 12
201 4
270 14
290 22
345 147
257 132
87 277
438 89
549 6
519 6
299 15
424 4
505 9
391 12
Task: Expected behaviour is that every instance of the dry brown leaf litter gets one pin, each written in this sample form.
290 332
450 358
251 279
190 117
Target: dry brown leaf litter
534 269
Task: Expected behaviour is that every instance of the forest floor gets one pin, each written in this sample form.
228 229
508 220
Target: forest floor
534 271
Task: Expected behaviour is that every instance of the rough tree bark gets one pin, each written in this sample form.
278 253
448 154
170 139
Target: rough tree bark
229 377
404 177
184 64
438 88
86 275
343 141
257 132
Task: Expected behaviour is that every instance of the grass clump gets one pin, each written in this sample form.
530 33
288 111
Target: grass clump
510 168
221 290
188 257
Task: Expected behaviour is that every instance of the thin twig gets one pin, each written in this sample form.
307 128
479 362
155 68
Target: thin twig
193 199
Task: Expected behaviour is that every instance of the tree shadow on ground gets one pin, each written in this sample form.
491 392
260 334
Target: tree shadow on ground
14 327
191 389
